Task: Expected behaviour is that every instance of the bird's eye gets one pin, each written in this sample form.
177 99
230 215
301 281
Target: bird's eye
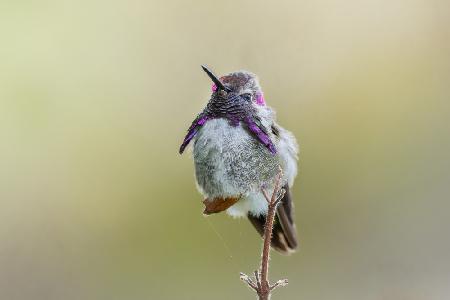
247 96
222 93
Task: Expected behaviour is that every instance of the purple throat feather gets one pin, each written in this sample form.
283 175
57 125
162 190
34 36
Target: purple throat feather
192 131
255 129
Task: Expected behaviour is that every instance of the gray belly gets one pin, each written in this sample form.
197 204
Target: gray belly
228 161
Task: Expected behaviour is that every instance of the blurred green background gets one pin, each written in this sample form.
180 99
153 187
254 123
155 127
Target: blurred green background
96 96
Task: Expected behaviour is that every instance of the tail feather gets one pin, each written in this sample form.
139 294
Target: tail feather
284 234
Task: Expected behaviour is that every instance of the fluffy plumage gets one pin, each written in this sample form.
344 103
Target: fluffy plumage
238 148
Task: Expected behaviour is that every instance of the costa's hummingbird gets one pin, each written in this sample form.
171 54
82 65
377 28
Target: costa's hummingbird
238 150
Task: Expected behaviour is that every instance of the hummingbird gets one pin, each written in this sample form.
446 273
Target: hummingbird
238 149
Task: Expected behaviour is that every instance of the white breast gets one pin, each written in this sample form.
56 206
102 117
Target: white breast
218 147
231 162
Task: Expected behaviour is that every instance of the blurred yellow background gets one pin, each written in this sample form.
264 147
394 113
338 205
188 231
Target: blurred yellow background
96 96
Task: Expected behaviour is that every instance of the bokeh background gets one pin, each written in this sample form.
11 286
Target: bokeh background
96 96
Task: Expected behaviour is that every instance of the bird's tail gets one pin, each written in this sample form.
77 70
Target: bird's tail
284 234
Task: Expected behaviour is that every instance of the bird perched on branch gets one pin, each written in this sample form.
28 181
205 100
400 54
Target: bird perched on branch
238 149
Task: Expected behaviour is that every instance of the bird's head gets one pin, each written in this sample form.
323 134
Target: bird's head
236 90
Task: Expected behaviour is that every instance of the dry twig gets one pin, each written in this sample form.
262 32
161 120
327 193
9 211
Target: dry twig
260 283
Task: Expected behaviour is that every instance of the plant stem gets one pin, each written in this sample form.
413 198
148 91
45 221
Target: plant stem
262 286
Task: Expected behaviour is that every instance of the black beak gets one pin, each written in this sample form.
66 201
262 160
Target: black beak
215 79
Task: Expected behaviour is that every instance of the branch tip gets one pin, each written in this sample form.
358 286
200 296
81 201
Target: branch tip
281 282
265 195
248 280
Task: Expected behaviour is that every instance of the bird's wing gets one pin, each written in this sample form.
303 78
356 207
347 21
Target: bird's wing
288 150
284 234
285 215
